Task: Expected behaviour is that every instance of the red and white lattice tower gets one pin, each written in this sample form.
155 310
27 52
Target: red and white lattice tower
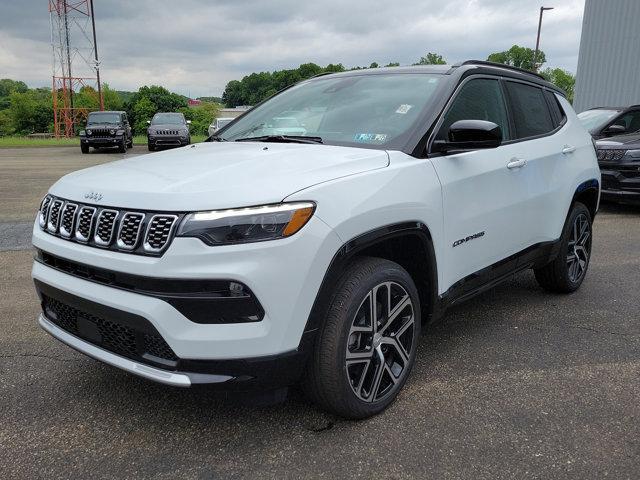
75 61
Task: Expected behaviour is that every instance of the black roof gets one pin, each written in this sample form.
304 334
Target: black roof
463 69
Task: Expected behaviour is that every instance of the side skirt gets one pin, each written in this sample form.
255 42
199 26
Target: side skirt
532 257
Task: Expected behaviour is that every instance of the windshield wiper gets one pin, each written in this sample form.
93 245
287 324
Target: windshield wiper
216 138
282 139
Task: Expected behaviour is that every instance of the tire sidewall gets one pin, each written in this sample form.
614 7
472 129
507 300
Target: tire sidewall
348 308
577 210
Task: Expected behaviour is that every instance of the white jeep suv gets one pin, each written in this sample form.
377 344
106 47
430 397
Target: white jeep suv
261 259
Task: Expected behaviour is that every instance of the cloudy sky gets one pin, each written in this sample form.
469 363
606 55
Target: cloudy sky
195 47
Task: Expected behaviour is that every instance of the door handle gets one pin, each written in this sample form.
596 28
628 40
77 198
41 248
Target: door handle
516 163
568 149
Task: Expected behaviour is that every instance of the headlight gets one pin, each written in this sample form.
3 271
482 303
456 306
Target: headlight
89 132
120 132
82 133
633 153
112 131
244 225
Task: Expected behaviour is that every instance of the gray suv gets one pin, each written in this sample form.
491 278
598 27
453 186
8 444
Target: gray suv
168 130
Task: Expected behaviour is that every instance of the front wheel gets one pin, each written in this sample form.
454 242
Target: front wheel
84 148
364 353
566 273
122 148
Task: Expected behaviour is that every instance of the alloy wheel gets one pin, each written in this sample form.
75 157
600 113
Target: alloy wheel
579 248
380 342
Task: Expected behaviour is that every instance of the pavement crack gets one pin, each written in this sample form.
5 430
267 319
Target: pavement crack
608 332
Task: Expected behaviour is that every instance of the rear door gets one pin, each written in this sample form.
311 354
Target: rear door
485 194
539 136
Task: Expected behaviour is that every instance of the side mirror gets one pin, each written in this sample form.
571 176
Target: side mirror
148 122
471 135
615 130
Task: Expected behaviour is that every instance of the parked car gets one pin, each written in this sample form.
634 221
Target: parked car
605 122
218 123
258 260
106 130
619 159
168 129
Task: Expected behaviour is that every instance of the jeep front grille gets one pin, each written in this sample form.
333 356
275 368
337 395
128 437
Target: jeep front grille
612 155
143 233
167 132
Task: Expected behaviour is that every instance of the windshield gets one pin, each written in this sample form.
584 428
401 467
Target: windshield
593 119
221 122
347 110
167 118
103 117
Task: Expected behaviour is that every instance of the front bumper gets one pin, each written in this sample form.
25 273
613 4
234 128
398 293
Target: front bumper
621 181
101 142
167 141
284 275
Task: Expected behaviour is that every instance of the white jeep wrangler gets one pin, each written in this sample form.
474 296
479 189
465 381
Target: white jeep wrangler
261 259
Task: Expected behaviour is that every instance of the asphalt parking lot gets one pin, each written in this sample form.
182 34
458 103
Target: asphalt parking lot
517 383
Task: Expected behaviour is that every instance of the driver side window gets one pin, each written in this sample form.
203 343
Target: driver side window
479 99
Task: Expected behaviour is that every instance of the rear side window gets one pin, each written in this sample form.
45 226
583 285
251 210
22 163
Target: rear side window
557 113
530 110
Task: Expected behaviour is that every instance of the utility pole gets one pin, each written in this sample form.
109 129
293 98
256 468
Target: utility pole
95 51
535 55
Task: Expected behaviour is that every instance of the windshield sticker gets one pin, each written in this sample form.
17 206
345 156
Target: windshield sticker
404 108
370 137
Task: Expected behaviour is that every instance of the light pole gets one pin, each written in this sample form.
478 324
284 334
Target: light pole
535 55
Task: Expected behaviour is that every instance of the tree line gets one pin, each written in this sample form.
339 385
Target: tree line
25 110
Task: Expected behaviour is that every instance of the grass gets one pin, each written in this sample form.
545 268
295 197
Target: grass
16 142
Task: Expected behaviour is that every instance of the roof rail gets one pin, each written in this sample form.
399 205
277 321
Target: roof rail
499 65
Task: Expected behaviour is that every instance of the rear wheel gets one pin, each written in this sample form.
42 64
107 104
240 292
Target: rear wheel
566 273
363 356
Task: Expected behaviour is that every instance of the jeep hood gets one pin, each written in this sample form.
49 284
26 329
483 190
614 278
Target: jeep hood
216 175
628 140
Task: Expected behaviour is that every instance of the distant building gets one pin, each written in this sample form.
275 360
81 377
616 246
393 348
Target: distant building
609 60
233 112
194 103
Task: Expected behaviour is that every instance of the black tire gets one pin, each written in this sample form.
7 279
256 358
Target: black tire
84 148
151 148
130 144
566 273
122 148
353 388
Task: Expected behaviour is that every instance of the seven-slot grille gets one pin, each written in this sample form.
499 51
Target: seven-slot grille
612 155
136 232
167 132
101 132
